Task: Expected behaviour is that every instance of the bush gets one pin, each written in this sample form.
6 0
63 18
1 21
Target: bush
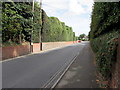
105 48
105 30
105 18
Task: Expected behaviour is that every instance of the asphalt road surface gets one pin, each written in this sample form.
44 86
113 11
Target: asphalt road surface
82 72
34 71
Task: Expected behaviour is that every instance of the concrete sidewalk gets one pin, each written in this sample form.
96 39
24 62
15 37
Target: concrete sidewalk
81 73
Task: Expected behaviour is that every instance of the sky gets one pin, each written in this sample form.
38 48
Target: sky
75 13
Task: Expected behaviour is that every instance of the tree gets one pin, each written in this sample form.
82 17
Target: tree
82 36
18 23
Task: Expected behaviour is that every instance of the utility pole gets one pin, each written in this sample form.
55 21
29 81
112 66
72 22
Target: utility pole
73 38
31 41
40 32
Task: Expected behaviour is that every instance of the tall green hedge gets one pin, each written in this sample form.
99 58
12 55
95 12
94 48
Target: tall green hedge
105 48
36 23
55 30
17 24
16 21
105 18
105 30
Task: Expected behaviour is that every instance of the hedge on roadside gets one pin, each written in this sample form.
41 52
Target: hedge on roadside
105 48
105 18
105 30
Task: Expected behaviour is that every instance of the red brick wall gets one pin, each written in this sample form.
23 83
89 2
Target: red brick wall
115 82
36 47
14 51
50 45
70 42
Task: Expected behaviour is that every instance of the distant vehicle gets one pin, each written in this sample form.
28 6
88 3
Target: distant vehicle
78 41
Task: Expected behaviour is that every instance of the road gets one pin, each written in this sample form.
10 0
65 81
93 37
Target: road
82 72
36 70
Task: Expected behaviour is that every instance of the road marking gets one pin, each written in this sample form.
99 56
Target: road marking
64 72
46 85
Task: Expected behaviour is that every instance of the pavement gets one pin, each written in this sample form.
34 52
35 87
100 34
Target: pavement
38 70
81 73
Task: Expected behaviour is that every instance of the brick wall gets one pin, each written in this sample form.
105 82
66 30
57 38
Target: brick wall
50 45
36 47
115 81
14 51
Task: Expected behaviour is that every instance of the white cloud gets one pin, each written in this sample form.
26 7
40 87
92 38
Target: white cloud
87 3
80 25
75 7
56 4
75 13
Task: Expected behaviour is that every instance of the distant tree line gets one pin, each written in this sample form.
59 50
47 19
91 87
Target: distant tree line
18 22
83 37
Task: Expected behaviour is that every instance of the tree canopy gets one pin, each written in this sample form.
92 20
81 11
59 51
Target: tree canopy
81 36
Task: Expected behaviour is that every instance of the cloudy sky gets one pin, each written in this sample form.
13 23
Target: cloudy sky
75 13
